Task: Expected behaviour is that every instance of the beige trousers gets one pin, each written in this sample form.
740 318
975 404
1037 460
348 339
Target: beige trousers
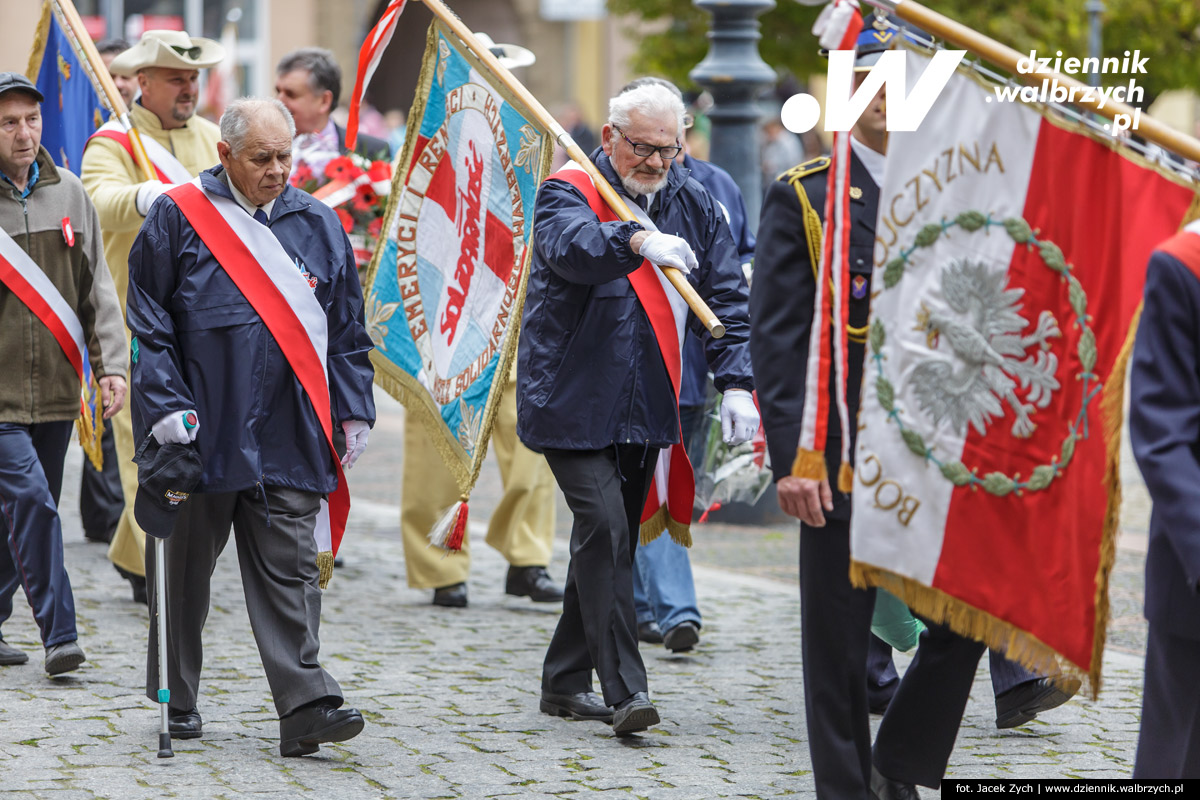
128 547
522 525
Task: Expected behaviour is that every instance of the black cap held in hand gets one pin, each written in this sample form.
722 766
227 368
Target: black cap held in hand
166 476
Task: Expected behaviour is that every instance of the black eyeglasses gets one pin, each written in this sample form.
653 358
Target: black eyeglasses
643 150
191 52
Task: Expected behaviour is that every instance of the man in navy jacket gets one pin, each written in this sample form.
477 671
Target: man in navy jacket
594 392
1164 428
200 346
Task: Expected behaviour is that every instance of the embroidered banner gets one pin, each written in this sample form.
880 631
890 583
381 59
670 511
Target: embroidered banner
74 109
447 283
1009 264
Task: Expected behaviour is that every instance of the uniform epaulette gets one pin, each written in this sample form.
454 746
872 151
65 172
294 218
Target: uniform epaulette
807 168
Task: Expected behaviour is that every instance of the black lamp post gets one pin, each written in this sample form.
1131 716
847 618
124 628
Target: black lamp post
734 73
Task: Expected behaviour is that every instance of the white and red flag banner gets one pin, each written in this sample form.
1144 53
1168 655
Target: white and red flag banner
1008 268
447 283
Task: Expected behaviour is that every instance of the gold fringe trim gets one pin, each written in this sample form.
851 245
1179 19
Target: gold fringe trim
810 464
39 44
1016 644
845 478
91 427
325 567
662 520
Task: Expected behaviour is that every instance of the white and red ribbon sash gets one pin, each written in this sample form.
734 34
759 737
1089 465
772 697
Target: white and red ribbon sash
368 60
32 287
165 164
827 347
267 276
674 485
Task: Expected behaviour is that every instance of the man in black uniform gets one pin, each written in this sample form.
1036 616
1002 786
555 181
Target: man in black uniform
835 618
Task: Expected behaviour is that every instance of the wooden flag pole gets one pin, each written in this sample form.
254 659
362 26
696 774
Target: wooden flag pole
677 278
87 51
1007 58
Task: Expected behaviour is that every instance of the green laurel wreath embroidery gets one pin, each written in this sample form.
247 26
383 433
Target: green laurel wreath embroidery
995 483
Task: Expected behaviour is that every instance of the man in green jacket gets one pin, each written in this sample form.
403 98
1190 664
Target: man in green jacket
58 310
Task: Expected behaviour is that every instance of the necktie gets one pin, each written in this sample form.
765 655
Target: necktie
260 216
641 201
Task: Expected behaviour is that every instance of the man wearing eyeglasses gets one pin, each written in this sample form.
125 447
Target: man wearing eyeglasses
166 65
595 388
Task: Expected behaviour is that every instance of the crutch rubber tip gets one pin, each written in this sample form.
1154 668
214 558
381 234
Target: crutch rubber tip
164 746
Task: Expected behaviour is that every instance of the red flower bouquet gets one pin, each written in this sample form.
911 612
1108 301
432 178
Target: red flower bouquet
356 189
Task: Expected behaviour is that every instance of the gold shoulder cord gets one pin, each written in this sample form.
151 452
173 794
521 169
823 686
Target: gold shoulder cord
812 227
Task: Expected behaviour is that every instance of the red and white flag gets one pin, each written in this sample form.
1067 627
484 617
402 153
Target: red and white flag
1009 264
368 61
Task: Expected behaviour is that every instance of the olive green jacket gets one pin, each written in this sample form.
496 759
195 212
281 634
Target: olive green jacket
37 382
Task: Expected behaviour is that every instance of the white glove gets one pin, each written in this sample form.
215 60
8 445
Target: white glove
148 192
356 432
669 251
739 417
178 427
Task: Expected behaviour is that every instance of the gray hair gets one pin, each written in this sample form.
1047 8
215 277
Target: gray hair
650 80
235 122
652 99
324 74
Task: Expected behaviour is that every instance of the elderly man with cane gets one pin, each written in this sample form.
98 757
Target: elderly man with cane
247 320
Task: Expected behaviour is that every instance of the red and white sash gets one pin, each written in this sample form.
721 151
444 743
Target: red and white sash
269 279
31 286
669 504
165 164
1185 247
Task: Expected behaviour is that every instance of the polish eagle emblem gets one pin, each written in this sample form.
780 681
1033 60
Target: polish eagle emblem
990 364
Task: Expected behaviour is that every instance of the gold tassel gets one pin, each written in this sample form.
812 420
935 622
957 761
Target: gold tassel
810 464
325 568
845 478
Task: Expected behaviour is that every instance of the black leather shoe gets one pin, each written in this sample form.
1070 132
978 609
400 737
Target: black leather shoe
887 789
682 637
1025 701
184 724
138 582
11 656
64 657
634 713
581 706
649 632
534 583
454 596
303 731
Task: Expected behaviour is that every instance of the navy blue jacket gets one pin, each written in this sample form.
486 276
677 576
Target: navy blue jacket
589 371
199 344
1164 428
719 183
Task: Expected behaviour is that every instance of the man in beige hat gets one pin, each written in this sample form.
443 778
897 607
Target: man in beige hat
166 65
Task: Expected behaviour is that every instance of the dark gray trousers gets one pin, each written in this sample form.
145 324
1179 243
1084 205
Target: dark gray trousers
605 490
277 555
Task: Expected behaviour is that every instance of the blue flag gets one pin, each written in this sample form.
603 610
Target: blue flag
73 110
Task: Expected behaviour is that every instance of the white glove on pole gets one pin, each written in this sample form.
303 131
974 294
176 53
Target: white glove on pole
356 432
178 427
739 417
666 250
148 192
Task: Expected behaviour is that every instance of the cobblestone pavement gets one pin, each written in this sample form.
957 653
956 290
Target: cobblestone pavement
450 696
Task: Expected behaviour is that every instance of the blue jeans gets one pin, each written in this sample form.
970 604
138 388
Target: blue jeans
663 590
